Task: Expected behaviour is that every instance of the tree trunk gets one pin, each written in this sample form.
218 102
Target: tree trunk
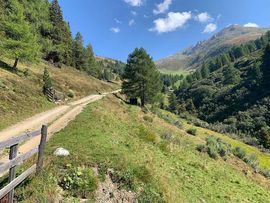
15 63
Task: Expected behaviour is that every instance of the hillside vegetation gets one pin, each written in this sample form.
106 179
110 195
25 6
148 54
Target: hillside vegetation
231 92
221 42
148 155
21 92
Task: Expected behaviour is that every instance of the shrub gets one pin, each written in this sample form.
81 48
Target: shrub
192 131
215 147
240 153
265 173
212 152
201 148
80 182
147 135
178 124
251 160
71 94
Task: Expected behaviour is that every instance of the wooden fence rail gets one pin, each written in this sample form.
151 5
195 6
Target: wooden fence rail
7 192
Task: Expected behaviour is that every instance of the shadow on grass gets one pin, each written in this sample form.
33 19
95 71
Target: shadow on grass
7 67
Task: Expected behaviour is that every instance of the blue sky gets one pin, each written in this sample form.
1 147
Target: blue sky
162 27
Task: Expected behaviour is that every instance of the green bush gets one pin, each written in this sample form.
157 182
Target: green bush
192 131
148 135
71 94
251 160
240 153
80 182
215 148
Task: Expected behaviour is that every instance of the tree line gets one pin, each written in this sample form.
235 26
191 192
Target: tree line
36 30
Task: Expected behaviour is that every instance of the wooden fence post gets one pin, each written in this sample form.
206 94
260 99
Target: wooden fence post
44 132
12 171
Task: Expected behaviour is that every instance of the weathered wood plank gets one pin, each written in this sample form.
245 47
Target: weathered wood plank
44 132
17 160
19 139
12 170
17 181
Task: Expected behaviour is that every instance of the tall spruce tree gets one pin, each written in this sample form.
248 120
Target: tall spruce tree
18 41
141 78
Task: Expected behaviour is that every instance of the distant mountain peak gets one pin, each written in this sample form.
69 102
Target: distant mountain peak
192 57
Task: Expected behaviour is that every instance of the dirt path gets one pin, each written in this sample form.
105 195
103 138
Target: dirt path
56 119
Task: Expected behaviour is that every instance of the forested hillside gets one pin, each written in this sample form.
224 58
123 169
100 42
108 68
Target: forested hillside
36 30
231 92
39 54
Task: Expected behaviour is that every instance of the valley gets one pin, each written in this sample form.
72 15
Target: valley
123 128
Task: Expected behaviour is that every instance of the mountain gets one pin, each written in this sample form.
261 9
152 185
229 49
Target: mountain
231 92
192 58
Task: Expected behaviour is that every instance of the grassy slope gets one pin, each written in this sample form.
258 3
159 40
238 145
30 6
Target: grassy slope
175 72
263 158
118 136
21 97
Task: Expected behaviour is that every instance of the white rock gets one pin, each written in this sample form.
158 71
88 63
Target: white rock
61 152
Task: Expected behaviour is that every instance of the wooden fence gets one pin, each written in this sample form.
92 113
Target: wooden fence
7 193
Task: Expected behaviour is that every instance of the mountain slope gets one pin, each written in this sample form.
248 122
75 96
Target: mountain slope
21 93
193 57
141 153
233 96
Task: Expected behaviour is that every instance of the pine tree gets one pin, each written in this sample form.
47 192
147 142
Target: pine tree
230 75
141 78
18 42
47 81
172 102
205 71
79 52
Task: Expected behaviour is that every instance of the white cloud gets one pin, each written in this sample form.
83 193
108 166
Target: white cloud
211 27
117 21
251 25
203 17
162 7
133 13
115 29
134 2
171 22
131 22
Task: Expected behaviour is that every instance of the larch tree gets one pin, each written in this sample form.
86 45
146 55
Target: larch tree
61 37
141 78
18 42
91 65
79 52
